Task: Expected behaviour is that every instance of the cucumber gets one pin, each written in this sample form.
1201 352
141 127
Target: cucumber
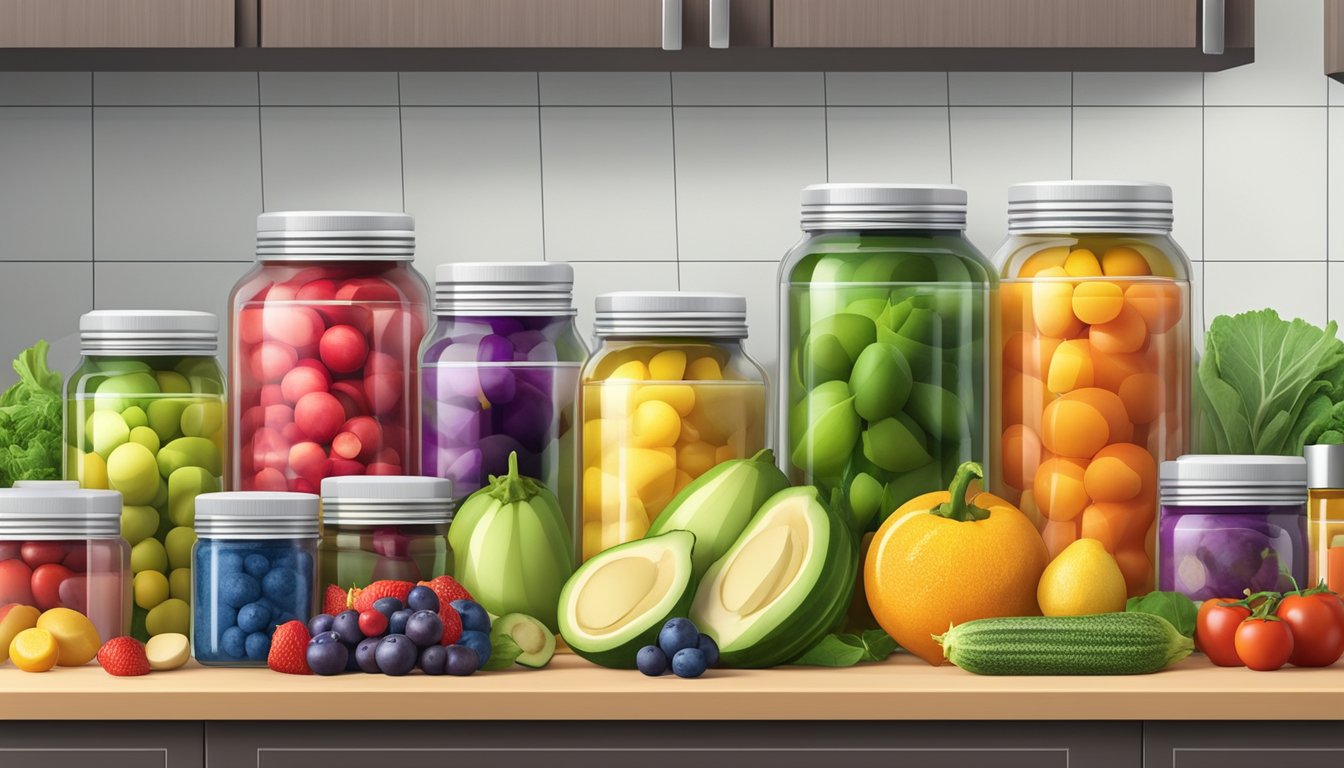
1103 644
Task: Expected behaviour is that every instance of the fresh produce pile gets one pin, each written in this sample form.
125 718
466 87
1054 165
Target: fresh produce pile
1266 630
39 641
30 421
85 576
681 648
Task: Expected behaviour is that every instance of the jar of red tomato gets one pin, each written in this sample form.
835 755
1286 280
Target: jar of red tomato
325 333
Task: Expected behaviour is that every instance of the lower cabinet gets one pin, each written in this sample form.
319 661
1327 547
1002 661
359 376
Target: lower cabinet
129 744
1243 745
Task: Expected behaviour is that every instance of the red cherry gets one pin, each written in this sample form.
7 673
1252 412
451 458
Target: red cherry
77 557
37 553
382 468
299 485
9 550
316 365
270 480
346 445
319 415
302 380
249 325
292 433
271 394
343 467
253 418
370 436
364 290
47 580
16 582
372 623
387 455
271 360
321 289
295 326
309 461
270 450
350 393
277 416
343 349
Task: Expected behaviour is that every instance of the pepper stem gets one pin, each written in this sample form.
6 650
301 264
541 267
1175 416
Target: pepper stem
958 507
512 487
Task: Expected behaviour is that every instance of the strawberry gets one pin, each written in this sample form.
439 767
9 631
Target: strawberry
123 657
452 624
448 590
363 599
335 600
289 649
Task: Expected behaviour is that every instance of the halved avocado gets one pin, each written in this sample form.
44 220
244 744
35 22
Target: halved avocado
783 586
533 638
616 603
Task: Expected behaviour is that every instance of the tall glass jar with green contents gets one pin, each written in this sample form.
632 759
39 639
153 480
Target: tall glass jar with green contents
884 312
145 416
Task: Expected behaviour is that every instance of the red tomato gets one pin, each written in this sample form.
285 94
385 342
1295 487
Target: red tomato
37 553
1216 629
47 580
1264 644
15 582
1318 635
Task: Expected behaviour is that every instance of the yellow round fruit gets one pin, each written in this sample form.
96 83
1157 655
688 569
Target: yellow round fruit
34 650
1082 580
75 636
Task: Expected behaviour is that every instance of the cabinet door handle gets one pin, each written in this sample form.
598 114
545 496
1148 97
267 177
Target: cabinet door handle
1215 25
671 25
719 23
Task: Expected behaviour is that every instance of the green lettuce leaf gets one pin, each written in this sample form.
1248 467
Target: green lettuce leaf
30 421
1175 607
845 650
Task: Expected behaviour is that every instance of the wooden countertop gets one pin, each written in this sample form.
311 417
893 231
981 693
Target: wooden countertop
903 688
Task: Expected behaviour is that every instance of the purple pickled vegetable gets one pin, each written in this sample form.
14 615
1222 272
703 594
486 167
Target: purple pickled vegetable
498 384
494 349
527 418
495 452
506 325
457 425
543 353
524 341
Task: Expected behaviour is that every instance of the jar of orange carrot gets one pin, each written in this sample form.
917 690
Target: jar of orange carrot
1095 341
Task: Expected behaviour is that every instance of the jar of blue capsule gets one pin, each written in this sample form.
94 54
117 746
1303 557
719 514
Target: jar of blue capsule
253 569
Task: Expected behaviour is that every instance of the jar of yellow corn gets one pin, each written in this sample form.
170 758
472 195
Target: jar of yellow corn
669 393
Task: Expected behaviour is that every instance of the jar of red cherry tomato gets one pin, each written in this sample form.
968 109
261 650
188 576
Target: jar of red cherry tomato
62 548
325 333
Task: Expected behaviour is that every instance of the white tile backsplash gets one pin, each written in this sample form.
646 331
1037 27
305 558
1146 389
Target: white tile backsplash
637 193
140 285
46 184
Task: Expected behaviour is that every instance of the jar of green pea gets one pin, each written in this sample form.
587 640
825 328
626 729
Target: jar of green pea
144 416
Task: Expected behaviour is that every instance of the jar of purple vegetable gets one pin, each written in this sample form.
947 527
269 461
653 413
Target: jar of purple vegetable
500 374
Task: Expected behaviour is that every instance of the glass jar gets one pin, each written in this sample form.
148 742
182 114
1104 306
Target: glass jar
669 393
60 548
254 568
500 374
884 331
384 528
1231 523
145 416
1095 308
322 359
1325 515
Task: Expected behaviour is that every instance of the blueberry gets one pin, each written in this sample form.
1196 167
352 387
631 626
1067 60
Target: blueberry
303 562
422 599
280 585
229 562
254 617
478 642
320 623
258 645
238 589
434 660
256 566
474 617
388 606
676 635
346 625
325 637
283 561
327 658
425 628
365 655
689 662
351 660
462 660
396 655
396 623
225 616
651 660
233 643
710 649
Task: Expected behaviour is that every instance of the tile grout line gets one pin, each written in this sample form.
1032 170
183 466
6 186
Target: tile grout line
826 125
261 148
93 202
951 163
541 166
676 212
1073 128
401 144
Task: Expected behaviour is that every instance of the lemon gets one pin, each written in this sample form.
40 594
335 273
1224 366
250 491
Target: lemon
1082 580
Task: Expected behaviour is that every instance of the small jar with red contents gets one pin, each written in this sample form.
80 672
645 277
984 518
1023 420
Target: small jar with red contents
322 361
62 548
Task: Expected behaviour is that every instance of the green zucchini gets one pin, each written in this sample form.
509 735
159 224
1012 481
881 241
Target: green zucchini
1103 644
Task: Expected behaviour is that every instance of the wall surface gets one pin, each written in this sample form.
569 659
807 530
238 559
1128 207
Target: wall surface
140 189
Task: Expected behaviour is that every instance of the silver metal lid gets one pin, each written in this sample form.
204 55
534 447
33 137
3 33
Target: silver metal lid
1325 466
148 332
883 206
486 288
59 513
1089 206
671 313
256 515
1224 481
48 485
336 236
386 500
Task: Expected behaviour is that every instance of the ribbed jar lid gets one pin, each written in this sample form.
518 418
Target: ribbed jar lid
1325 466
883 206
48 485
1234 480
671 313
59 513
1089 206
335 236
386 500
520 288
148 332
256 515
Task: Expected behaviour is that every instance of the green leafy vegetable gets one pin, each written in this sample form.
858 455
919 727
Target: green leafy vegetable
1179 610
845 650
1267 386
30 421
504 651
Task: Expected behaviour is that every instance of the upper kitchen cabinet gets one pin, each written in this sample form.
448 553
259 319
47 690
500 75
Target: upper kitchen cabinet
118 24
1334 39
1028 34
514 24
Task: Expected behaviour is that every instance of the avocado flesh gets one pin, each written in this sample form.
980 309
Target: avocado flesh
533 638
